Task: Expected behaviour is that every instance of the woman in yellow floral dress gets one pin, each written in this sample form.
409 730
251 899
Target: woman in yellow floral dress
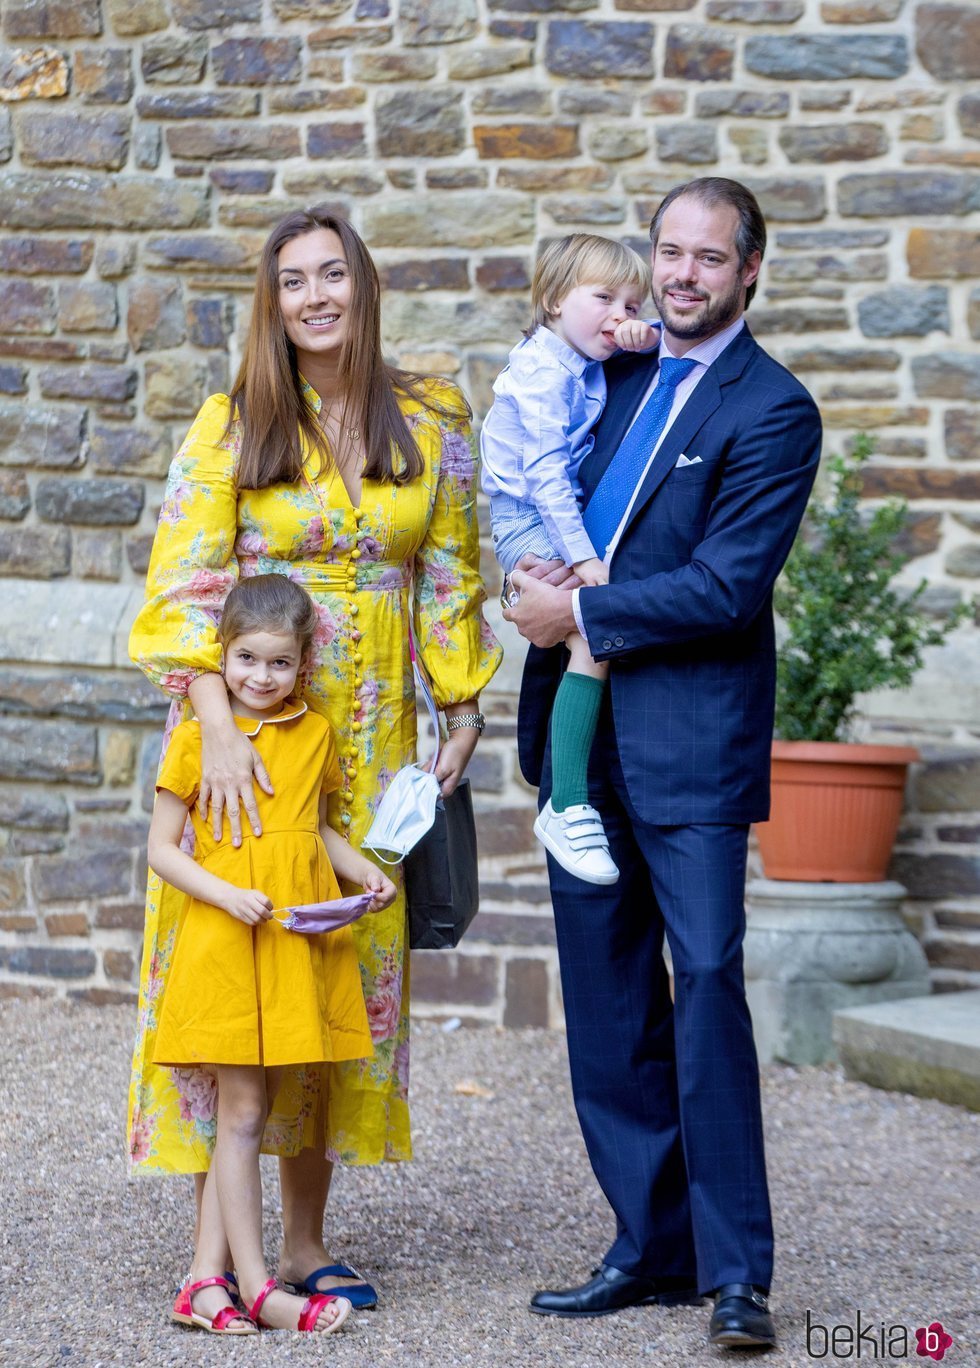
357 481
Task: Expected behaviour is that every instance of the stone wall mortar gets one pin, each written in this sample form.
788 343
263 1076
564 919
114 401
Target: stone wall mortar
457 138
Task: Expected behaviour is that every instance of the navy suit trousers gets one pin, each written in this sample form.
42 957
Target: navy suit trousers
667 1094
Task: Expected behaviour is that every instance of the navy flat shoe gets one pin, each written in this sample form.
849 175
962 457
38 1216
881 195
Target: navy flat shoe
362 1296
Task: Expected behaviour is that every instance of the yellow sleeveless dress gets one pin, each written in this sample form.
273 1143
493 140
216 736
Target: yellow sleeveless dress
239 994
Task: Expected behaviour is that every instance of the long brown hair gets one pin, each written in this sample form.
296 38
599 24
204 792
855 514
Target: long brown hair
267 396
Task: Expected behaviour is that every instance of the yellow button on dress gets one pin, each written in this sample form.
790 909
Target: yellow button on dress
419 564
239 994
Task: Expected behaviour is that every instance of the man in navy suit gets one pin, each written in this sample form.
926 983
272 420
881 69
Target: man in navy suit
667 1093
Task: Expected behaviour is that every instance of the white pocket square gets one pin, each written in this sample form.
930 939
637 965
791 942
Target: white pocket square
683 460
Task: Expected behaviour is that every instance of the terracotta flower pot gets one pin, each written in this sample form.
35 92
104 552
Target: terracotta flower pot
835 811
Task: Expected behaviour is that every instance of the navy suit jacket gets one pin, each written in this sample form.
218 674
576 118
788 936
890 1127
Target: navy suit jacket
686 619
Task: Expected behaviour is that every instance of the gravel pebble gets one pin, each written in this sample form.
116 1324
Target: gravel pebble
876 1199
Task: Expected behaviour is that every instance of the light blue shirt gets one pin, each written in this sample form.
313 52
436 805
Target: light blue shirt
537 434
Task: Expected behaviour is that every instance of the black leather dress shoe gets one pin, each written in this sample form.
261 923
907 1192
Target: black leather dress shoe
609 1290
741 1318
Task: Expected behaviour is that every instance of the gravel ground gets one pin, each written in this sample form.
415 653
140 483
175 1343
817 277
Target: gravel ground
876 1199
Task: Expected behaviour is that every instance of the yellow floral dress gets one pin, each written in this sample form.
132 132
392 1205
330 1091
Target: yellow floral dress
406 552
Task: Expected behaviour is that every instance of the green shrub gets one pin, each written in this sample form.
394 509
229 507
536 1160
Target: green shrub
847 628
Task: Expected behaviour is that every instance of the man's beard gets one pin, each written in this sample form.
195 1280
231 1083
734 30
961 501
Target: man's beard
719 313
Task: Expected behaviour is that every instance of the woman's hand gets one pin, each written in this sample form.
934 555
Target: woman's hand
454 756
230 768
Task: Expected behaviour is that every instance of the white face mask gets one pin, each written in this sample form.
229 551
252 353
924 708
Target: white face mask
404 815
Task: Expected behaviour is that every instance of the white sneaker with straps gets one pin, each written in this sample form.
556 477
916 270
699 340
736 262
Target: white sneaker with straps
577 839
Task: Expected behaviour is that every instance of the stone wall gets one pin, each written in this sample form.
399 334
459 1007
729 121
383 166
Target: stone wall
145 148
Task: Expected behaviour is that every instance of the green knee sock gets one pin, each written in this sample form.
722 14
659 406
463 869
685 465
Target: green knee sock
573 724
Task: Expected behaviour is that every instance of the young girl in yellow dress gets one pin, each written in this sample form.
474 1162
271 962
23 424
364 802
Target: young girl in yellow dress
246 996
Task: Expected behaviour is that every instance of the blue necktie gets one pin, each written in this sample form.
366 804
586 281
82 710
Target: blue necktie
610 500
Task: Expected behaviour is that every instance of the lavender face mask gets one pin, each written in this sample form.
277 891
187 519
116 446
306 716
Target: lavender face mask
311 919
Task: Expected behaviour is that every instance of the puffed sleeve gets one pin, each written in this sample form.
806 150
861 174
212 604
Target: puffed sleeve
193 566
180 769
459 651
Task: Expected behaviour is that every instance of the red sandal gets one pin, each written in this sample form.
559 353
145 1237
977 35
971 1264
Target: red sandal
310 1313
184 1313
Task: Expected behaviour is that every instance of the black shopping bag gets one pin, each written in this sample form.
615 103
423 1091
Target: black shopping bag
441 882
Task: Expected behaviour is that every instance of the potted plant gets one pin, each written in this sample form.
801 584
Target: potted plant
846 629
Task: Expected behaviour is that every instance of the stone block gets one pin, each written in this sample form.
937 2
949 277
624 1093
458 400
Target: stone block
80 200
132 18
114 258
155 315
13 888
33 810
96 555
899 194
803 319
506 831
833 142
822 97
905 311
828 57
27 307
756 11
119 964
920 536
205 252
176 387
173 61
908 482
91 502
425 22
35 552
963 562
943 253
968 113
617 142
752 144
52 19
863 12
100 874
394 66
87 307
15 496
699 54
138 553
67 924
923 127
93 696
554 178
49 437
503 273
215 14
541 6
343 37
518 28
210 322
457 177
455 978
199 104
420 123
112 384
221 142
862 416
312 10
789 199
693 143
947 40
46 256
39 73
862 266
535 142
417 321
13 379
478 64
47 961
584 209
961 432
448 218
947 375
427 273
257 61
104 75
746 104
934 876
336 139
48 751
584 100
402 177
526 993
120 917
97 141
238 182
578 47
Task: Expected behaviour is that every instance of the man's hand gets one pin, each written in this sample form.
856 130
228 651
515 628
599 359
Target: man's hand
542 613
634 334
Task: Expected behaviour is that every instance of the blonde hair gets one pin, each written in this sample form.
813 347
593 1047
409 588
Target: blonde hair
583 259
268 603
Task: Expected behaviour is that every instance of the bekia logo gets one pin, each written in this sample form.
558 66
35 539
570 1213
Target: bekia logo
874 1340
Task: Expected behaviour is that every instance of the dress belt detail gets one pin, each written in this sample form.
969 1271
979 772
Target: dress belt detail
345 577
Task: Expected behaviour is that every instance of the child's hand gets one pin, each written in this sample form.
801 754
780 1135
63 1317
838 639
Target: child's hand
634 334
592 571
248 905
383 889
